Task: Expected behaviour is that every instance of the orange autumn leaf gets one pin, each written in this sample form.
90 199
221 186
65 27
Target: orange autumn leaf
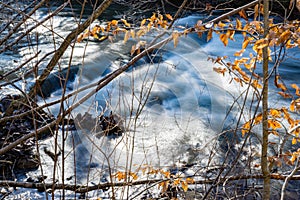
279 85
126 23
294 141
285 95
220 70
245 43
284 36
295 105
246 128
153 17
175 37
224 39
238 25
143 22
273 124
114 22
230 34
120 175
209 35
190 180
256 12
243 14
164 186
133 175
255 84
296 88
260 44
177 181
169 17
239 53
258 119
275 113
221 24
126 36
184 186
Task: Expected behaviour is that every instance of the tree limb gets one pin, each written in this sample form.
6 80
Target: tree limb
84 189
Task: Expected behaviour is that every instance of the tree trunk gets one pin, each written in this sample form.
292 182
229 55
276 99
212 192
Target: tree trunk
264 151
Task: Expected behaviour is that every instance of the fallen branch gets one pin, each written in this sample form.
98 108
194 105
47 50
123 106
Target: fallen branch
84 189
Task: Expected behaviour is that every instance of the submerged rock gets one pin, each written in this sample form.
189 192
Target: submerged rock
111 125
56 81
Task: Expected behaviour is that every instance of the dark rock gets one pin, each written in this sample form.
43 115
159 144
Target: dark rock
22 158
111 125
57 80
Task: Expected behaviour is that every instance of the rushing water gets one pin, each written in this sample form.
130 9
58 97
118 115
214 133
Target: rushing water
184 102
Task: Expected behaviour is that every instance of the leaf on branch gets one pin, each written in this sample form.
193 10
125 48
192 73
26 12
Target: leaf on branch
279 85
175 37
224 39
184 186
239 53
143 22
260 44
296 88
285 95
176 181
126 36
221 24
273 124
169 17
220 70
294 157
120 176
164 186
142 31
167 174
103 38
288 117
255 84
243 14
238 25
294 141
246 128
258 119
289 44
132 33
190 180
292 106
295 105
126 23
256 12
245 42
275 113
114 22
230 34
209 35
133 175
284 36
